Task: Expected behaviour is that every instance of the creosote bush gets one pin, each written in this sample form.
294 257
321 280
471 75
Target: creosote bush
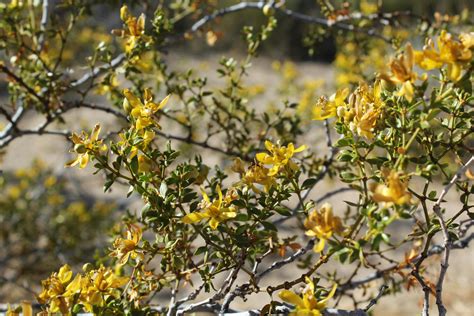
224 176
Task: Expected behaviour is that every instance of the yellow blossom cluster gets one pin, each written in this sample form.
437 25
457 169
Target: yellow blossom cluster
360 113
85 146
142 112
279 157
142 115
456 54
326 108
322 224
402 73
135 30
62 292
395 191
254 175
307 303
217 211
221 209
26 310
126 248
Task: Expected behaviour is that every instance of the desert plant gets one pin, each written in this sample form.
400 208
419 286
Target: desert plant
397 132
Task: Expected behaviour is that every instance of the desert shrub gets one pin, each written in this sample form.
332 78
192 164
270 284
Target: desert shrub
230 182
46 219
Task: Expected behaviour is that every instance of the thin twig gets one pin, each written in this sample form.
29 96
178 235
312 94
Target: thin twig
447 240
374 301
43 23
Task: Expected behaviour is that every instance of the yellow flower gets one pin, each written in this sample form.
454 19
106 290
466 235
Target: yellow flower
26 310
467 39
217 211
323 224
402 73
394 191
98 285
90 289
258 174
364 109
85 146
54 289
279 156
211 38
325 108
135 29
307 303
142 112
451 52
255 174
124 143
124 248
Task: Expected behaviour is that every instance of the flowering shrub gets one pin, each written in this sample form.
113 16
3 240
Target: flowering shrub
394 138
42 219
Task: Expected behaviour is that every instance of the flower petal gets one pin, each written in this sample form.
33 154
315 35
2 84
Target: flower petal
163 102
134 101
320 245
291 298
192 218
301 148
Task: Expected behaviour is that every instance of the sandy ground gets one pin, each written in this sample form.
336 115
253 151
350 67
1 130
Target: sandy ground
459 294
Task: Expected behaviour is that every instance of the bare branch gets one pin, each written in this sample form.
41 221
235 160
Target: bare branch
295 15
434 250
43 23
244 289
114 63
447 240
374 301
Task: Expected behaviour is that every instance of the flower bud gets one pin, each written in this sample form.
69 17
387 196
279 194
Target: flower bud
77 309
87 267
341 111
124 13
268 10
126 106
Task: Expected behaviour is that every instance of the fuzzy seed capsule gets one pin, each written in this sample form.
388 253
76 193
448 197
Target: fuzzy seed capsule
126 106
268 10
80 148
87 267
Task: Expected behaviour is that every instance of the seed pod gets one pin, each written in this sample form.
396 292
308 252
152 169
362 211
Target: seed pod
268 10
124 13
126 106
87 267
80 148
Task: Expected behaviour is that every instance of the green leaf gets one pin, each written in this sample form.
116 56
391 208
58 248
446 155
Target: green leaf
200 250
308 183
269 226
343 142
347 176
283 211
